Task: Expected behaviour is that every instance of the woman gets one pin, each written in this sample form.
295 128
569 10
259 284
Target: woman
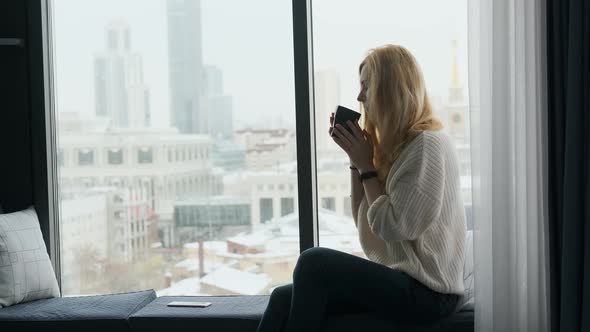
406 205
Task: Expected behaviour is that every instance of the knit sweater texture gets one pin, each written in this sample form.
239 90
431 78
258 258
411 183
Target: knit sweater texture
418 225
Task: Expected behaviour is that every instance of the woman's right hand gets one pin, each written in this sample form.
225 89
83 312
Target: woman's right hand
332 130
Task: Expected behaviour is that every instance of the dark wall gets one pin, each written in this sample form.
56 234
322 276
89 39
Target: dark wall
15 115
24 161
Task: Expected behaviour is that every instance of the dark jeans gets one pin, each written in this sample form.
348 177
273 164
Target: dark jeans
327 281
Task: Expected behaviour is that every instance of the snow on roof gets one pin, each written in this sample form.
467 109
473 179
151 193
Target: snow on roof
250 240
192 264
184 287
230 255
237 281
213 245
280 237
213 200
342 243
331 222
191 245
283 253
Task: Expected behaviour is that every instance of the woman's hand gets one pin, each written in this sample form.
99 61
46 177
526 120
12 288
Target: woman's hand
358 145
331 130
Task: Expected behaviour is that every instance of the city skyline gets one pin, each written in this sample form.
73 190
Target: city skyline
188 107
206 197
120 92
226 48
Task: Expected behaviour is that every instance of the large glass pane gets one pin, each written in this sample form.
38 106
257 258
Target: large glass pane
176 134
436 33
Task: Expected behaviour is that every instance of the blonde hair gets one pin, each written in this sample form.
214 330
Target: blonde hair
397 102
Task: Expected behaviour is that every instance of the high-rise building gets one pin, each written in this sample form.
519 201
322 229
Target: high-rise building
456 106
219 104
84 227
163 164
266 149
120 93
213 80
187 106
327 97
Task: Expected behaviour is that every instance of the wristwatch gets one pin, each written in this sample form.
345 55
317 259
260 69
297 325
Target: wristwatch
367 175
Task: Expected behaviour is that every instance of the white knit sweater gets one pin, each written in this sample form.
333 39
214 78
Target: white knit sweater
418 226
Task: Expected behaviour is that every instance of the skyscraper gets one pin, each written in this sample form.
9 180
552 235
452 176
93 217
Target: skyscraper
187 107
219 104
120 93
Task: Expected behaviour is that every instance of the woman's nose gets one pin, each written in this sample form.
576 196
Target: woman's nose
360 98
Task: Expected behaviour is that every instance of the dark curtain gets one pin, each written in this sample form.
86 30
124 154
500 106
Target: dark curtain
568 76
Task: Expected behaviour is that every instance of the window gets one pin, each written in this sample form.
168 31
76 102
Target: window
115 156
442 28
85 157
266 210
347 207
167 84
145 156
329 203
60 157
287 205
168 80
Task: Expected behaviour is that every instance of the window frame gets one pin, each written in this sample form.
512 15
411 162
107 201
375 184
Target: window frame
305 124
43 124
44 133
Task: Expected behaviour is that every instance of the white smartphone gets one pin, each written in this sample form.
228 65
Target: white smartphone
189 304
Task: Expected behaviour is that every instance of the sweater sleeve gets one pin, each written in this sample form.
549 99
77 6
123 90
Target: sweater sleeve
414 201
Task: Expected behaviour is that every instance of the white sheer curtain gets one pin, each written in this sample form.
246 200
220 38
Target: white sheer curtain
508 129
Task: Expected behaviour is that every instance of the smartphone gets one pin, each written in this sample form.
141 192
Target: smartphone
343 114
189 304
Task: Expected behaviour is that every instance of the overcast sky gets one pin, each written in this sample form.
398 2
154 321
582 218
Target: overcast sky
251 41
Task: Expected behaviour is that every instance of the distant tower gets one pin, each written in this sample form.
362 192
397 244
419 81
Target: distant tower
456 90
327 97
185 61
120 93
218 104
456 107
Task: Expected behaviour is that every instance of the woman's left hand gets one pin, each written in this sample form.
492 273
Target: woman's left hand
358 145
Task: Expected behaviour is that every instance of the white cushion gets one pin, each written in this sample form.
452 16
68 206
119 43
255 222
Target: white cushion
26 273
468 276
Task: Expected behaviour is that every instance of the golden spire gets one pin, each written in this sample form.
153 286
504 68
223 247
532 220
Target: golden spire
455 65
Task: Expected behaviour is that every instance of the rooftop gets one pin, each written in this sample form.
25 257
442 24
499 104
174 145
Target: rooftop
237 281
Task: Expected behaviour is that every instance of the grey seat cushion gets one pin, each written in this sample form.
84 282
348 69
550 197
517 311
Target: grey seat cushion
243 313
83 313
226 313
